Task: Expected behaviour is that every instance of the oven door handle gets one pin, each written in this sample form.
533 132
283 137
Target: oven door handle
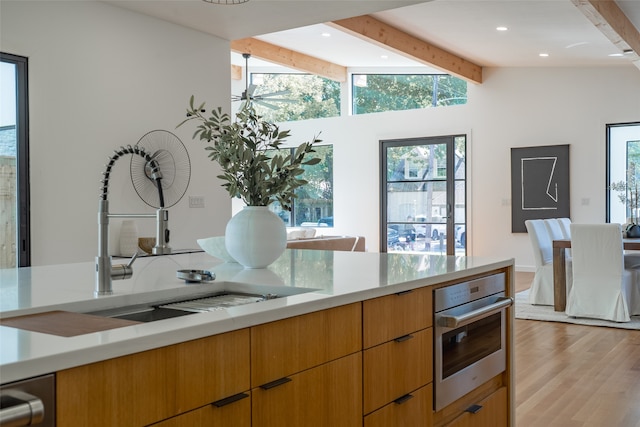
472 316
27 409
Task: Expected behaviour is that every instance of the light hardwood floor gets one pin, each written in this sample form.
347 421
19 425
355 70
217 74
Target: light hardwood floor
572 375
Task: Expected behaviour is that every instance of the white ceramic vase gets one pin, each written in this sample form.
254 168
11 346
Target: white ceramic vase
128 238
255 237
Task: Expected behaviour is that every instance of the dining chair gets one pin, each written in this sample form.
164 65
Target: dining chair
602 288
565 226
541 290
556 228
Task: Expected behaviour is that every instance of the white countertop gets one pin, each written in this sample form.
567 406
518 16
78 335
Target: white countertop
325 278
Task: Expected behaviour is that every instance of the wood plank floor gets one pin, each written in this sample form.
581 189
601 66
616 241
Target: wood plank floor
573 375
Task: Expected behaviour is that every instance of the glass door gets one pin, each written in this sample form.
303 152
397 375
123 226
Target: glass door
423 199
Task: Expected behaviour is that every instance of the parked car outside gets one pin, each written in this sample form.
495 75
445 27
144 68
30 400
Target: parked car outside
438 228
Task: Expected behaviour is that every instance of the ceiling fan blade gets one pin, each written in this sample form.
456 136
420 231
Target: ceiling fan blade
278 93
265 104
251 90
288 101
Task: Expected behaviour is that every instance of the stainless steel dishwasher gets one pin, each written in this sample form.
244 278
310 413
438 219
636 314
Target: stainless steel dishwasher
29 402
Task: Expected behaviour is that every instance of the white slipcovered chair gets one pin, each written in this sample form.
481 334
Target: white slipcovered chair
565 226
602 287
541 290
556 232
554 228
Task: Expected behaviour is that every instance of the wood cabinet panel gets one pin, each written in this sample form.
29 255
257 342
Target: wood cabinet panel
150 386
395 368
492 414
237 414
412 410
392 316
284 347
327 395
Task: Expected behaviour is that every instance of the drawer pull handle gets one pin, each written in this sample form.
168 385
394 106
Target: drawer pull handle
228 400
404 338
404 292
473 409
403 399
275 383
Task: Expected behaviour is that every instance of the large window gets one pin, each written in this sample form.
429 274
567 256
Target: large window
290 97
623 173
313 205
14 163
374 93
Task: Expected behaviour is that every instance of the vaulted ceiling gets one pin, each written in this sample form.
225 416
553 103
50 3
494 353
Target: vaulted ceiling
455 36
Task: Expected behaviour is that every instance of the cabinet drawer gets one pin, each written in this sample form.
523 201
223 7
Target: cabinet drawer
493 412
284 347
236 414
150 386
411 410
397 367
391 316
327 395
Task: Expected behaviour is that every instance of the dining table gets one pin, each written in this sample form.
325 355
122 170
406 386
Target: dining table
560 268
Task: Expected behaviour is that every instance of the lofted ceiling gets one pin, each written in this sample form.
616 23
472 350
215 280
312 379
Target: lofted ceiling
571 32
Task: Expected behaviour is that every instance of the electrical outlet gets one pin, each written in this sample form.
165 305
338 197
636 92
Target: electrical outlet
196 201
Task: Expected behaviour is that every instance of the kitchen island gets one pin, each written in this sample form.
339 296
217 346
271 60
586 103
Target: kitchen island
321 331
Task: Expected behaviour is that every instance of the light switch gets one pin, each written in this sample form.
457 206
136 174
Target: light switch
196 201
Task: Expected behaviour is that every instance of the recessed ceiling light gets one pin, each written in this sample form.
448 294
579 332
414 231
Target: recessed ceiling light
616 54
326 35
543 55
384 56
501 28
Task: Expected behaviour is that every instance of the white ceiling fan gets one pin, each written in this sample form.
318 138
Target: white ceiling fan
267 99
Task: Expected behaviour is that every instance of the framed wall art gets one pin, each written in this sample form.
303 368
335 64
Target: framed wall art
539 184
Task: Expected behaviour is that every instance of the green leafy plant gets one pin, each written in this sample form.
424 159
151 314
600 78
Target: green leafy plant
629 192
240 148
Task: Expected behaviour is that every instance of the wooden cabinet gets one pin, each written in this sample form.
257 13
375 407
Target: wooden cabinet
154 385
398 359
395 368
392 316
236 413
410 410
489 412
307 370
287 346
327 395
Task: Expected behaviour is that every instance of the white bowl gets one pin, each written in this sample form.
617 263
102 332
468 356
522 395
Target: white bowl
215 247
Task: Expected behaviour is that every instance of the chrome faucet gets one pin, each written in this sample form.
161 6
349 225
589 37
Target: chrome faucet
105 271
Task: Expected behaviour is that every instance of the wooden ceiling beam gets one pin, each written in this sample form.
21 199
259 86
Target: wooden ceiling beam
290 58
607 16
369 28
236 72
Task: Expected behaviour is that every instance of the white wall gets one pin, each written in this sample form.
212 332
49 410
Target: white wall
513 108
101 77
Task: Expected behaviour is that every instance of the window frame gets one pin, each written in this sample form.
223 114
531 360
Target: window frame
608 190
23 251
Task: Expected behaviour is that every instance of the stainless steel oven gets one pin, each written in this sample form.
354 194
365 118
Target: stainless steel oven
470 336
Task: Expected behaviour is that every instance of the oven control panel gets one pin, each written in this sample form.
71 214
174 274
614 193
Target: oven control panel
462 293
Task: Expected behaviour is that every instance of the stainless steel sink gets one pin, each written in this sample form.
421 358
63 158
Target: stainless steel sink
182 307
